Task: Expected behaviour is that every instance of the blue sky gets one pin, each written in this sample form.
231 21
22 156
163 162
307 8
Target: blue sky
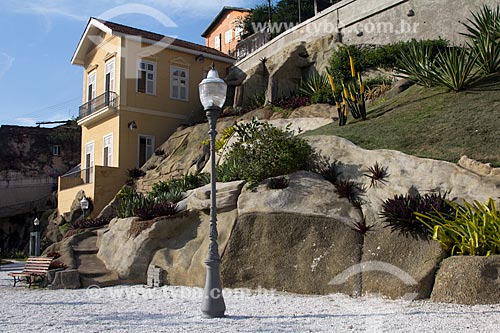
38 38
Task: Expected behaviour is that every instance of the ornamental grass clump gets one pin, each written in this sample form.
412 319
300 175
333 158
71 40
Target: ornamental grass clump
471 229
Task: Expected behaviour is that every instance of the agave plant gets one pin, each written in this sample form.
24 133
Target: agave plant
417 64
483 31
316 88
454 68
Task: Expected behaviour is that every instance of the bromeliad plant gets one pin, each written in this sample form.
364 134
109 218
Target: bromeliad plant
472 229
400 212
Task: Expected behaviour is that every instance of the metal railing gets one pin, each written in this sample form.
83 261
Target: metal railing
109 98
84 176
248 45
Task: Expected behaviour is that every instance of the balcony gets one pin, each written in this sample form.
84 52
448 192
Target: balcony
98 106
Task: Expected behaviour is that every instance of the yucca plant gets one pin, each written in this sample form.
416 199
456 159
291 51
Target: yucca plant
417 64
473 229
454 68
314 84
483 31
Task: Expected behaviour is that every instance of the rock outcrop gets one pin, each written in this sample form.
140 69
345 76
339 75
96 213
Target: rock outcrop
468 280
303 238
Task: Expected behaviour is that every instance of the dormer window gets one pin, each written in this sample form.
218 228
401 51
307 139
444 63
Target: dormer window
146 77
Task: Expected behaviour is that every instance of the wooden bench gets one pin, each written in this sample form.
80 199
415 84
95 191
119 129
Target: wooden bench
34 271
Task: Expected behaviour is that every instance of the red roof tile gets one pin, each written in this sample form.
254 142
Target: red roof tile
120 28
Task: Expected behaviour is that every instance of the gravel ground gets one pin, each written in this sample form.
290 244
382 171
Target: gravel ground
177 309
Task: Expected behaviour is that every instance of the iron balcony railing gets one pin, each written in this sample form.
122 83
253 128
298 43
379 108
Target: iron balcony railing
247 46
109 98
84 176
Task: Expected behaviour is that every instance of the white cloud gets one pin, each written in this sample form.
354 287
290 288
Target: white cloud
6 62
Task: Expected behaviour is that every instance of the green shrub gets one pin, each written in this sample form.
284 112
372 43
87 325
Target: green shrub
372 57
454 68
400 212
483 32
472 229
263 152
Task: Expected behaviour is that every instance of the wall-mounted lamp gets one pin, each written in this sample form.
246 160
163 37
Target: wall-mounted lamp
200 58
132 125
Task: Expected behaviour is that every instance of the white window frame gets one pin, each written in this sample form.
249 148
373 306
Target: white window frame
238 31
92 77
56 150
110 149
217 42
178 87
146 136
92 160
110 68
228 36
153 72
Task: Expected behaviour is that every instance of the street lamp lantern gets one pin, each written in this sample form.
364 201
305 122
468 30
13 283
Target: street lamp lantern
213 90
212 96
36 222
84 204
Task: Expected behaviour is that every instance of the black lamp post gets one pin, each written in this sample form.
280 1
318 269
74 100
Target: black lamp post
212 96
35 239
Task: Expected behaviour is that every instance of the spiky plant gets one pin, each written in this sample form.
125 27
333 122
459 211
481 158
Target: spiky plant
417 64
377 174
314 84
399 212
483 32
454 68
351 190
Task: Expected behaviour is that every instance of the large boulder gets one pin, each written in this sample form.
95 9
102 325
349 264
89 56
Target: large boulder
406 172
291 252
399 266
295 239
468 280
178 244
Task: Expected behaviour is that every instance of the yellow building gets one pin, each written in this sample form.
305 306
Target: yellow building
138 86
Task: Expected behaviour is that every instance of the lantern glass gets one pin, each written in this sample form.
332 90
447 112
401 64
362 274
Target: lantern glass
213 90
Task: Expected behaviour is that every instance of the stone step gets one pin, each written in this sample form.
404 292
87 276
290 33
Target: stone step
105 280
90 264
88 245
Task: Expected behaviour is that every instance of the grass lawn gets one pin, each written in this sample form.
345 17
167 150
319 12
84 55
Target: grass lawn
432 122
